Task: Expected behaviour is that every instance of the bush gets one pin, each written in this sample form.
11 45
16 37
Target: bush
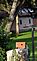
4 39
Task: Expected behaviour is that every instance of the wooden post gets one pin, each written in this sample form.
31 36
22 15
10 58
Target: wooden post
17 25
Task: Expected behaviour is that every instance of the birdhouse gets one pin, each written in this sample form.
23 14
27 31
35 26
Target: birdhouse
20 44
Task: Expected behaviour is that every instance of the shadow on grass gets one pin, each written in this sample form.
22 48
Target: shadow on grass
22 34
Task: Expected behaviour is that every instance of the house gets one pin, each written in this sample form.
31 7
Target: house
25 20
35 23
35 20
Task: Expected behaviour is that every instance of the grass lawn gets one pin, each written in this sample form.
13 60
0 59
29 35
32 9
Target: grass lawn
25 37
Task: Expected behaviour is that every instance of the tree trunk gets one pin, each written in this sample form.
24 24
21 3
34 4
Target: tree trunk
17 25
11 17
8 26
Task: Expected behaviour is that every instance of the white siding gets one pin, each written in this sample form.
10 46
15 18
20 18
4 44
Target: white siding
25 22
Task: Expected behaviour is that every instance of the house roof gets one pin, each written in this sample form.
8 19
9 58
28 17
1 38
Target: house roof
25 11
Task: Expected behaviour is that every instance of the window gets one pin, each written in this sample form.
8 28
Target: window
29 21
20 21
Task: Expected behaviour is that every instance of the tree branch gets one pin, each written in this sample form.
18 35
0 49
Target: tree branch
2 7
8 6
